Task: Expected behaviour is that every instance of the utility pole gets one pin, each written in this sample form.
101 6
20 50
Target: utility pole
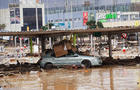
50 39
66 10
37 1
14 37
71 15
114 5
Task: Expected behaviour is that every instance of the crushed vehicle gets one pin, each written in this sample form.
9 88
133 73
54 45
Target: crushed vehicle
50 60
64 54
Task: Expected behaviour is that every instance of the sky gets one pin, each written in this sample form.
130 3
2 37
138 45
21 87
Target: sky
4 3
58 3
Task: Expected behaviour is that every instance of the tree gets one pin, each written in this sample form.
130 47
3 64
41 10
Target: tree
50 25
2 26
91 24
46 26
100 25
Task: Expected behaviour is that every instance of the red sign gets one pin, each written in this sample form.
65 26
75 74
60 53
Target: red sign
124 35
124 50
85 18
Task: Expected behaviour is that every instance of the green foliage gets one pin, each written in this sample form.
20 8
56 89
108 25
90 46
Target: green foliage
2 26
92 25
100 25
50 25
46 26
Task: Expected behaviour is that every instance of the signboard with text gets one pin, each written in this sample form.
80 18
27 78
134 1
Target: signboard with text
85 18
14 13
105 16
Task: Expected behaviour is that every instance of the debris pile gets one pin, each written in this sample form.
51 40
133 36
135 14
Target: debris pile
18 68
63 48
124 62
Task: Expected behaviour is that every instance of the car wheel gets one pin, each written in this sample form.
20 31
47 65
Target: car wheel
48 66
86 63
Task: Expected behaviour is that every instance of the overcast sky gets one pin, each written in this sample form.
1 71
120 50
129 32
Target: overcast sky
58 3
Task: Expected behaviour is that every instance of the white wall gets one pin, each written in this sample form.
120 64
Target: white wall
121 23
5 19
31 4
5 15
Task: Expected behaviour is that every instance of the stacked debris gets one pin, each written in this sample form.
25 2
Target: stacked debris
63 48
18 68
124 62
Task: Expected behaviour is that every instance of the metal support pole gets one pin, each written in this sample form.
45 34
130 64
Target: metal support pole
71 15
37 22
28 41
92 50
74 40
50 42
20 42
94 45
42 43
91 36
31 45
15 41
110 45
138 43
99 45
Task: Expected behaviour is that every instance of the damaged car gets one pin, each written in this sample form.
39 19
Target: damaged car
73 59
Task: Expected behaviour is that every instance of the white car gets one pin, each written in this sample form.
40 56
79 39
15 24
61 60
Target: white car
49 61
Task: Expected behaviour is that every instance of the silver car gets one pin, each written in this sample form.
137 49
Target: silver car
48 61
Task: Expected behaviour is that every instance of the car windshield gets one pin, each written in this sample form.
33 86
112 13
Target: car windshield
70 52
51 53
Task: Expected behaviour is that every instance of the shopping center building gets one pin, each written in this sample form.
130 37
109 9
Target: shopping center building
18 14
68 14
112 13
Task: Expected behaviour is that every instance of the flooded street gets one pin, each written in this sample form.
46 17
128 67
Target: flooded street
105 78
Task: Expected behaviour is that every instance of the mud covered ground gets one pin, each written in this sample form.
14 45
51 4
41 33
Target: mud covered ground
26 67
100 78
124 62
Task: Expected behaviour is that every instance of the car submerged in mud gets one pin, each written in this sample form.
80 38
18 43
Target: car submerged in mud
49 60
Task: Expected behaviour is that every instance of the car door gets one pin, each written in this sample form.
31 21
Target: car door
60 60
68 60
72 60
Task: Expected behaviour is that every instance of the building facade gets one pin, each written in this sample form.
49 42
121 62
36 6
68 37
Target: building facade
71 12
68 14
18 14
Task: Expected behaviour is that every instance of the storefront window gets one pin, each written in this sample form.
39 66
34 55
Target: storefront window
30 18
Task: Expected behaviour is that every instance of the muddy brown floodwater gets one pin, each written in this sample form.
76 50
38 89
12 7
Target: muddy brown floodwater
104 78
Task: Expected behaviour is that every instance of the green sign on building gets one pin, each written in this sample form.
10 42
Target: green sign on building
111 16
